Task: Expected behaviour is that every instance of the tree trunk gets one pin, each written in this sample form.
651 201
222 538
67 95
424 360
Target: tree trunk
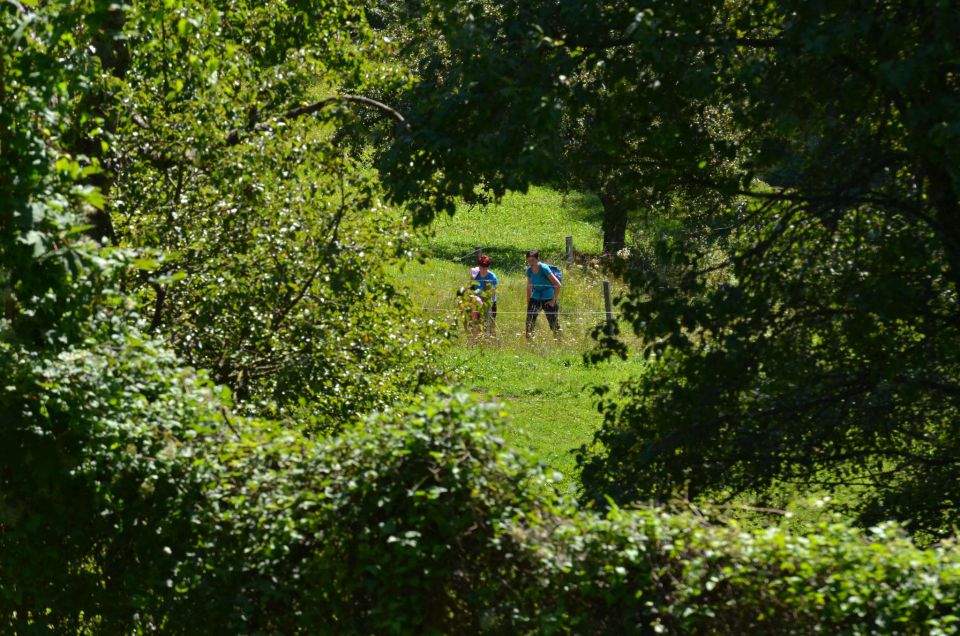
115 60
944 199
614 223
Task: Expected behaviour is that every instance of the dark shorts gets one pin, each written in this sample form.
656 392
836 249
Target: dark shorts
550 311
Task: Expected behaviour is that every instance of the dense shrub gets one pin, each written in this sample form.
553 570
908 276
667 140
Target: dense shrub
418 520
422 520
99 489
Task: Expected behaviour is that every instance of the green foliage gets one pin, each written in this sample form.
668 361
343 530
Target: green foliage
520 92
133 501
97 479
469 136
407 501
430 499
104 456
858 400
802 312
274 237
43 76
823 351
265 531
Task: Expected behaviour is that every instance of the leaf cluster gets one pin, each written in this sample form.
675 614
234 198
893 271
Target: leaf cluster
275 236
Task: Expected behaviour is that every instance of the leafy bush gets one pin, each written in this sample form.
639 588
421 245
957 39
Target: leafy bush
103 458
423 520
420 520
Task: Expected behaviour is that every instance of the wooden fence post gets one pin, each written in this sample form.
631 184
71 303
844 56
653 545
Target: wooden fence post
570 249
608 305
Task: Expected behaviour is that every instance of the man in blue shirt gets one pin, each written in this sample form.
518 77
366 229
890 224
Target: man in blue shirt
543 290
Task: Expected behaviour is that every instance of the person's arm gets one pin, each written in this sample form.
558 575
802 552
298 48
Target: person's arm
529 289
556 286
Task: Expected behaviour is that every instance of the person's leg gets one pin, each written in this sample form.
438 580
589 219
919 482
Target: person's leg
533 308
463 317
490 324
553 317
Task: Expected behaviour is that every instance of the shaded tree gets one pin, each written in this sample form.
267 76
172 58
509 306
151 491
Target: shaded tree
813 145
273 241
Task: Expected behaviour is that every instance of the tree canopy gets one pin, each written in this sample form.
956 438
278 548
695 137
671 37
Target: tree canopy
810 144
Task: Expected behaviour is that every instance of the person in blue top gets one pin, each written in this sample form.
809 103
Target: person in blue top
543 290
485 284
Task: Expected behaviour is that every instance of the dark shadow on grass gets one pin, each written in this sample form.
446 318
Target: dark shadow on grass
506 259
583 206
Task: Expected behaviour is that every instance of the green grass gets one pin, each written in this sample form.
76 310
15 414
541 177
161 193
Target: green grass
540 220
544 382
547 393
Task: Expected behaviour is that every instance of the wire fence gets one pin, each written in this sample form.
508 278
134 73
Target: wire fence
576 322
453 311
561 313
470 254
509 329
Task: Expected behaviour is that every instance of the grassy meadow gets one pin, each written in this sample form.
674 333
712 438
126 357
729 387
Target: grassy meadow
544 382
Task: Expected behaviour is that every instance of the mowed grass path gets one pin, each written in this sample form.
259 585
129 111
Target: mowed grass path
545 383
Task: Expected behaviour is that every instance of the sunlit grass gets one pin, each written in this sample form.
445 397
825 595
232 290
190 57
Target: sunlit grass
540 219
544 381
548 394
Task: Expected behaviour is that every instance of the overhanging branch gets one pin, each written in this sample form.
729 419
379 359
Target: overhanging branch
234 137
357 99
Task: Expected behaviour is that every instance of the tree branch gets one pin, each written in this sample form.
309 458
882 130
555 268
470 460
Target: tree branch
157 308
233 138
357 99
